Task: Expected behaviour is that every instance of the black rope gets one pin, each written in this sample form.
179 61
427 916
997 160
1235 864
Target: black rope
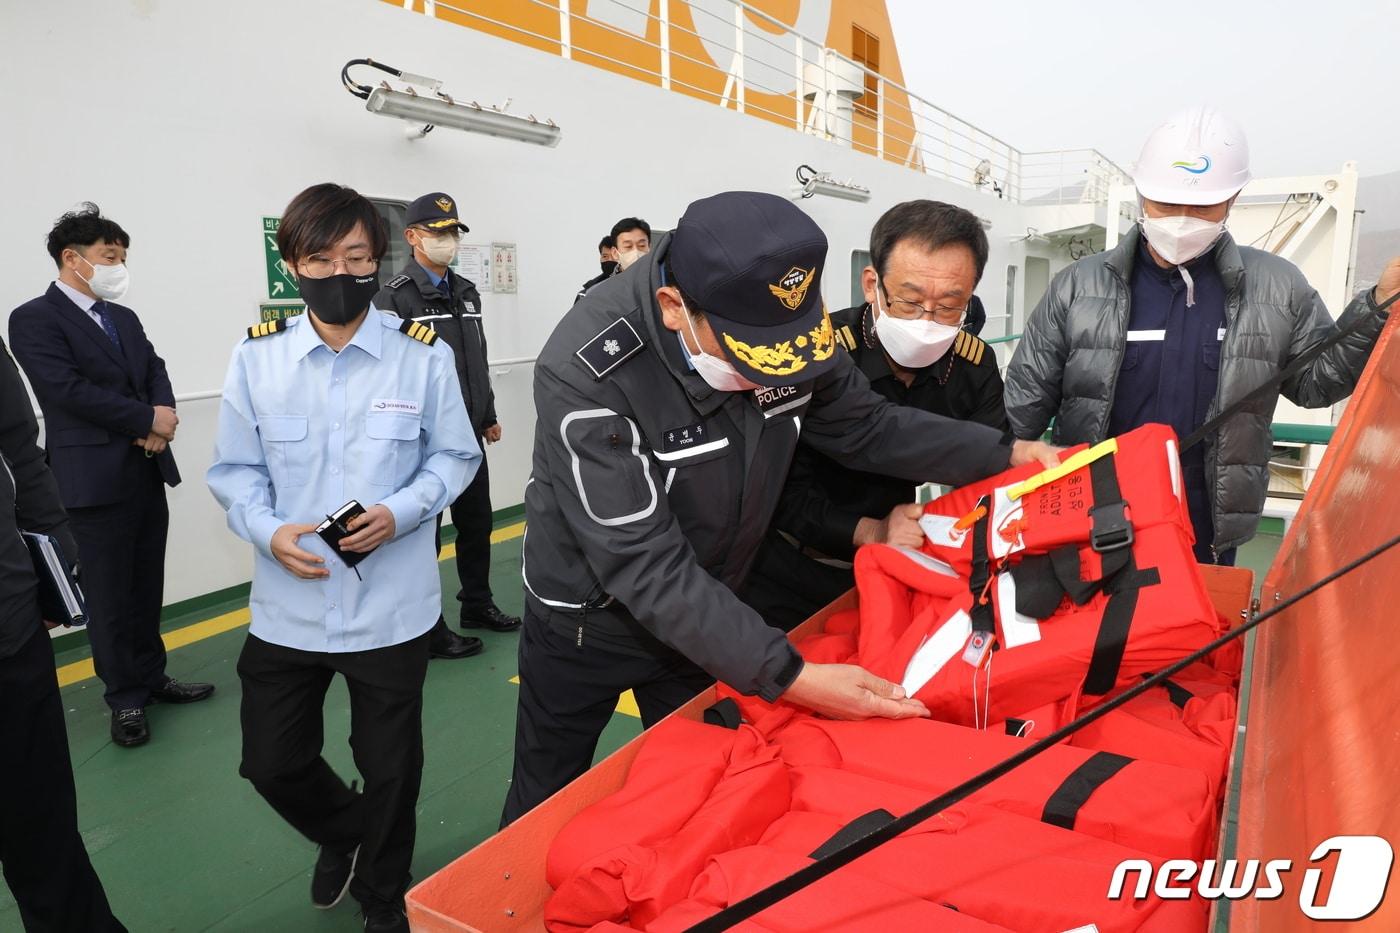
1292 369
767 897
362 91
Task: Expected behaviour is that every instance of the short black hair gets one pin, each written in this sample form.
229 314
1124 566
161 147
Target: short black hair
84 227
932 225
630 223
607 242
324 214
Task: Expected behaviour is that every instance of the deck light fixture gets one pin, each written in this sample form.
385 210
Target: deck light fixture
436 108
811 182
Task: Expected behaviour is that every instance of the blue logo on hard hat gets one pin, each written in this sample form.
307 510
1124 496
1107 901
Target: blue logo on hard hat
1192 166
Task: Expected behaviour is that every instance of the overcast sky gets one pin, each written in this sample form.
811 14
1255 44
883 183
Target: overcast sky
1313 83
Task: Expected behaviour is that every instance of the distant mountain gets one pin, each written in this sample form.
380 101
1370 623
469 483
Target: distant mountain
1379 240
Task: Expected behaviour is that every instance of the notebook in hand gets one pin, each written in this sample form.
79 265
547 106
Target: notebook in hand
333 529
60 597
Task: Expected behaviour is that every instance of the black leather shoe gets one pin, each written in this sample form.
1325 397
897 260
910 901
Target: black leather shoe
174 691
489 616
129 727
445 643
385 920
331 877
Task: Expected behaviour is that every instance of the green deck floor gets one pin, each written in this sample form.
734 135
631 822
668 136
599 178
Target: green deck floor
183 844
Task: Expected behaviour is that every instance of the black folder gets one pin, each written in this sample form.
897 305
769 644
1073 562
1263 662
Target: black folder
60 597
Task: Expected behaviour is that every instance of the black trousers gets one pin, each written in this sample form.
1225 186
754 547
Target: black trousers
567 695
787 587
283 693
122 549
471 516
42 853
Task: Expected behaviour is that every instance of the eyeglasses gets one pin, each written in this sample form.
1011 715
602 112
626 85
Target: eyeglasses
319 267
913 311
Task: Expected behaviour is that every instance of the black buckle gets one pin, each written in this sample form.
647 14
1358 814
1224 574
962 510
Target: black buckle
1112 531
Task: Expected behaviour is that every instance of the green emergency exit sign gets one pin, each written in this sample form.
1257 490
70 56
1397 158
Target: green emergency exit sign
280 285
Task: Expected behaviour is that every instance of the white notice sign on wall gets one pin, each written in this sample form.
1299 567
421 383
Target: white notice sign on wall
504 277
474 264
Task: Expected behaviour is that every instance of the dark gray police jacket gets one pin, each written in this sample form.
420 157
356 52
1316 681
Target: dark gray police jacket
651 492
413 296
1066 366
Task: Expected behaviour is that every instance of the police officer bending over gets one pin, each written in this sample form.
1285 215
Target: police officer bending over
429 292
669 406
927 258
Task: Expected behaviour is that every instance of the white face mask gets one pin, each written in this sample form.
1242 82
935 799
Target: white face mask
720 374
439 249
912 344
1179 240
108 282
625 258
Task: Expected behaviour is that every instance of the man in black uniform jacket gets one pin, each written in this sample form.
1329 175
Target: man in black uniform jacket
926 259
41 852
429 292
670 401
109 414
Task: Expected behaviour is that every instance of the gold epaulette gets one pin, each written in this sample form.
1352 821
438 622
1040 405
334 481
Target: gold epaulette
846 338
420 332
267 328
969 347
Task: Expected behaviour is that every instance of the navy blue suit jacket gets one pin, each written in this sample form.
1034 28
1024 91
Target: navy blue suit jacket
96 398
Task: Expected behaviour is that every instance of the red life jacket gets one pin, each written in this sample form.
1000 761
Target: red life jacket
1155 808
1084 582
841 903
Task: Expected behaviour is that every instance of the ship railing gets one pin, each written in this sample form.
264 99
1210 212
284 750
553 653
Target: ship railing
761 66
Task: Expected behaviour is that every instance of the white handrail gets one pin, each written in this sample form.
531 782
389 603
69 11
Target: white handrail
939 143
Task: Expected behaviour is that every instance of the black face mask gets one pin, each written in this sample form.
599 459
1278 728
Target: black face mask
339 299
609 266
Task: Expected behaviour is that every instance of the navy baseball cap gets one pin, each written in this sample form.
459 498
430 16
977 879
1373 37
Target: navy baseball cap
752 263
435 211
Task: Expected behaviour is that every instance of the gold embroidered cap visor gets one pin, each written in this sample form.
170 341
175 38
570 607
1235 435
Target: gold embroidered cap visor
780 355
752 262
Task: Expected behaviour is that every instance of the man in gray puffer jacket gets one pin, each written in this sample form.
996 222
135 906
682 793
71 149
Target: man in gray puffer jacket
1177 322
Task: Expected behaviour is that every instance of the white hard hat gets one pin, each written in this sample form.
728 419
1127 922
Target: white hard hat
1198 156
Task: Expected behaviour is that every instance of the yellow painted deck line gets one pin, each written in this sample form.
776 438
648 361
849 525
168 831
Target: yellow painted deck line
626 704
189 634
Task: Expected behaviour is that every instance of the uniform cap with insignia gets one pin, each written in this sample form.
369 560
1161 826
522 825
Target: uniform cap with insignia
752 263
436 211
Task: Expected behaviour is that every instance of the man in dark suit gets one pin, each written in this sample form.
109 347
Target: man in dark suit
109 417
41 851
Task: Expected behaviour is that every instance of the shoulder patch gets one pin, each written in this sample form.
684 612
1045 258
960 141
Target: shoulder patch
267 328
420 332
969 347
398 281
612 347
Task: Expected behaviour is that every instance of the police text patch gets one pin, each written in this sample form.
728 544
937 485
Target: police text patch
614 345
775 400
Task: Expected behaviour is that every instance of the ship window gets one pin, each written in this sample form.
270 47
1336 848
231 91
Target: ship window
859 260
865 50
394 213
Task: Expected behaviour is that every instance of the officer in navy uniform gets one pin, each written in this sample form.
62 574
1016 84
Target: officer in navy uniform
670 401
910 340
41 851
109 414
429 292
